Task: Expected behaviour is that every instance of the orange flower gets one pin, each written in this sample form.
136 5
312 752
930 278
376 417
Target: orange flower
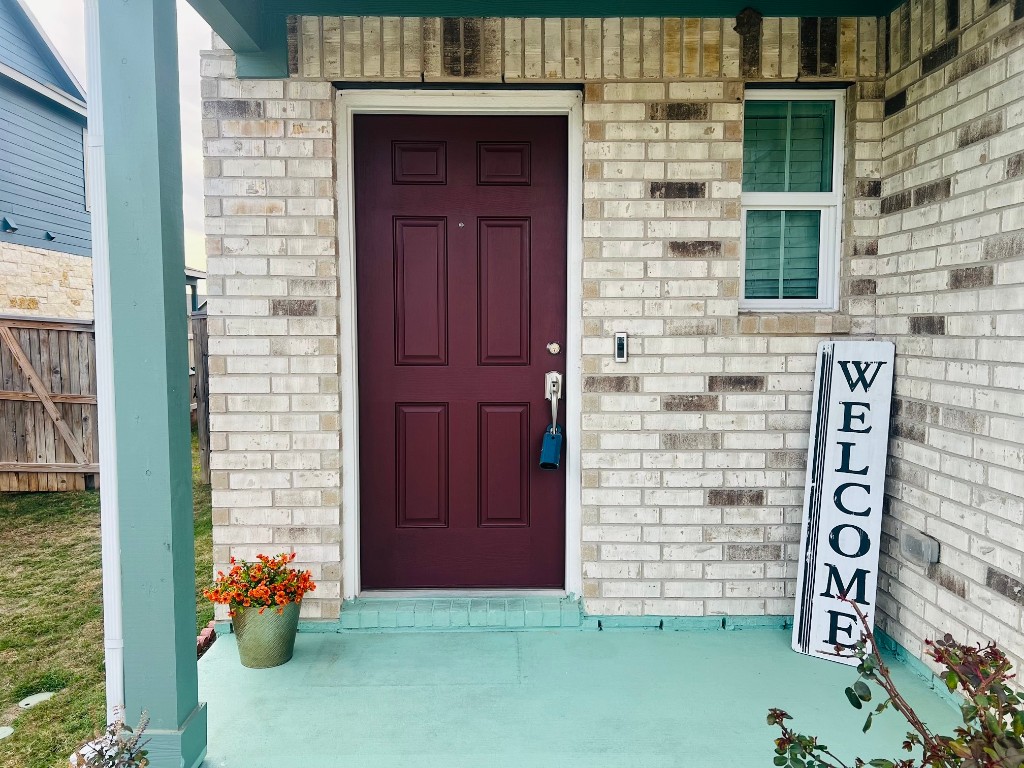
269 582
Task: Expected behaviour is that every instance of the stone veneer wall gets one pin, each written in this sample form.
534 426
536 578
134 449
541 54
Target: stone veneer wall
949 287
36 282
693 452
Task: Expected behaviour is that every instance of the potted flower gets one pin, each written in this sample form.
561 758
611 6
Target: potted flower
264 602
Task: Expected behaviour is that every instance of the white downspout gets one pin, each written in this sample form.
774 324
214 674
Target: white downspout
109 516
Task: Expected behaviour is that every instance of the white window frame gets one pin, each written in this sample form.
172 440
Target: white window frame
829 203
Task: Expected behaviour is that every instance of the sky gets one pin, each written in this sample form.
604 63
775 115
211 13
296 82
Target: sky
64 23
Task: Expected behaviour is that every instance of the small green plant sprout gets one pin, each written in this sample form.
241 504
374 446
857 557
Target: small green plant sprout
118 747
992 734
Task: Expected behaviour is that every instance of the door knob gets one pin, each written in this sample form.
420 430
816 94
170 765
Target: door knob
554 347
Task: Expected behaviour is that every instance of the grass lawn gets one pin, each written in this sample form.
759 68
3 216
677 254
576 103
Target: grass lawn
51 630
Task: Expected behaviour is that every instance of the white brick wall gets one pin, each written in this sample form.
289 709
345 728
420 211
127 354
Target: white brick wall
949 275
693 451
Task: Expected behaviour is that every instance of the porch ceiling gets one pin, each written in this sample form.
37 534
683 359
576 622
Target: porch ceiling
257 29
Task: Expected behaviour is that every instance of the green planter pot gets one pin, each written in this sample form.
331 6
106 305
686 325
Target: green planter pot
265 639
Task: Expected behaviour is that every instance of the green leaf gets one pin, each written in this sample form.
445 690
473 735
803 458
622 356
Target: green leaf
854 698
781 760
881 763
862 690
952 679
867 724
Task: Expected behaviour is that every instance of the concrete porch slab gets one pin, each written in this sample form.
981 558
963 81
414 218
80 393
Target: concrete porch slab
564 699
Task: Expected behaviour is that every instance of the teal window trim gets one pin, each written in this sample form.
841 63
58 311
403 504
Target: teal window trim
828 204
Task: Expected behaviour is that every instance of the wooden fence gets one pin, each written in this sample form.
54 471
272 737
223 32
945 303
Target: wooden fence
200 338
48 435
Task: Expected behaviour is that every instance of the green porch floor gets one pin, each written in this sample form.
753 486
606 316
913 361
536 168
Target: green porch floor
564 699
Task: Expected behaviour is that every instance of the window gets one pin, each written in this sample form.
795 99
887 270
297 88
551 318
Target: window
792 190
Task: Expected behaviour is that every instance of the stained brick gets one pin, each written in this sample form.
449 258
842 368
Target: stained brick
736 383
293 45
472 53
928 325
869 188
678 189
695 441
770 552
735 497
787 459
909 431
952 15
898 201
691 328
865 248
965 421
679 110
1005 585
933 191
611 383
872 90
293 307
749 26
970 277
1015 165
236 109
940 55
947 579
696 249
865 286
808 45
451 44
895 103
979 130
828 46
976 59
910 409
690 402
1004 246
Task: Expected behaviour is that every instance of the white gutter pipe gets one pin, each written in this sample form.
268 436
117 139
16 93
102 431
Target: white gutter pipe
109 515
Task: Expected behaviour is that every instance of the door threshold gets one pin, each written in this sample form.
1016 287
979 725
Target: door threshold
456 594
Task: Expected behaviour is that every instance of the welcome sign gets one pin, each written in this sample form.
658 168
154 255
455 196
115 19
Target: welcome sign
843 496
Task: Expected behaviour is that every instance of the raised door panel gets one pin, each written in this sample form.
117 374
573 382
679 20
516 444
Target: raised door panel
421 442
421 292
504 481
504 291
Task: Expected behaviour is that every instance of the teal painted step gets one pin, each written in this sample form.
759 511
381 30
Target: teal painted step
491 613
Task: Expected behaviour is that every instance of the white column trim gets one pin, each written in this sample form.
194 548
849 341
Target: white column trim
113 635
459 102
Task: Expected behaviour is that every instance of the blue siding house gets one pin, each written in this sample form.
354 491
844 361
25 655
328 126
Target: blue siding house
45 269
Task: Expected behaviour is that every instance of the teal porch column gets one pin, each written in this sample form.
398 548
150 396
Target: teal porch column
139 77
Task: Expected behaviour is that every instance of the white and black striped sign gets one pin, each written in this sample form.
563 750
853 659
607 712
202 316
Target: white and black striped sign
843 497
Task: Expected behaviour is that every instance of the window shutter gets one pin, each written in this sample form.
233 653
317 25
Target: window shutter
782 254
787 146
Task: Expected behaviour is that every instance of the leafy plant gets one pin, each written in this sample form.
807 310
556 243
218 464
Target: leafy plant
269 582
992 734
118 747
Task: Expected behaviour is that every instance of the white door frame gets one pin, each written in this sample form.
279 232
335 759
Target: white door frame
458 102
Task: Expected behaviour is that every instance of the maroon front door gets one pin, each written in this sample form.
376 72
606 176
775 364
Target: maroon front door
460 260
